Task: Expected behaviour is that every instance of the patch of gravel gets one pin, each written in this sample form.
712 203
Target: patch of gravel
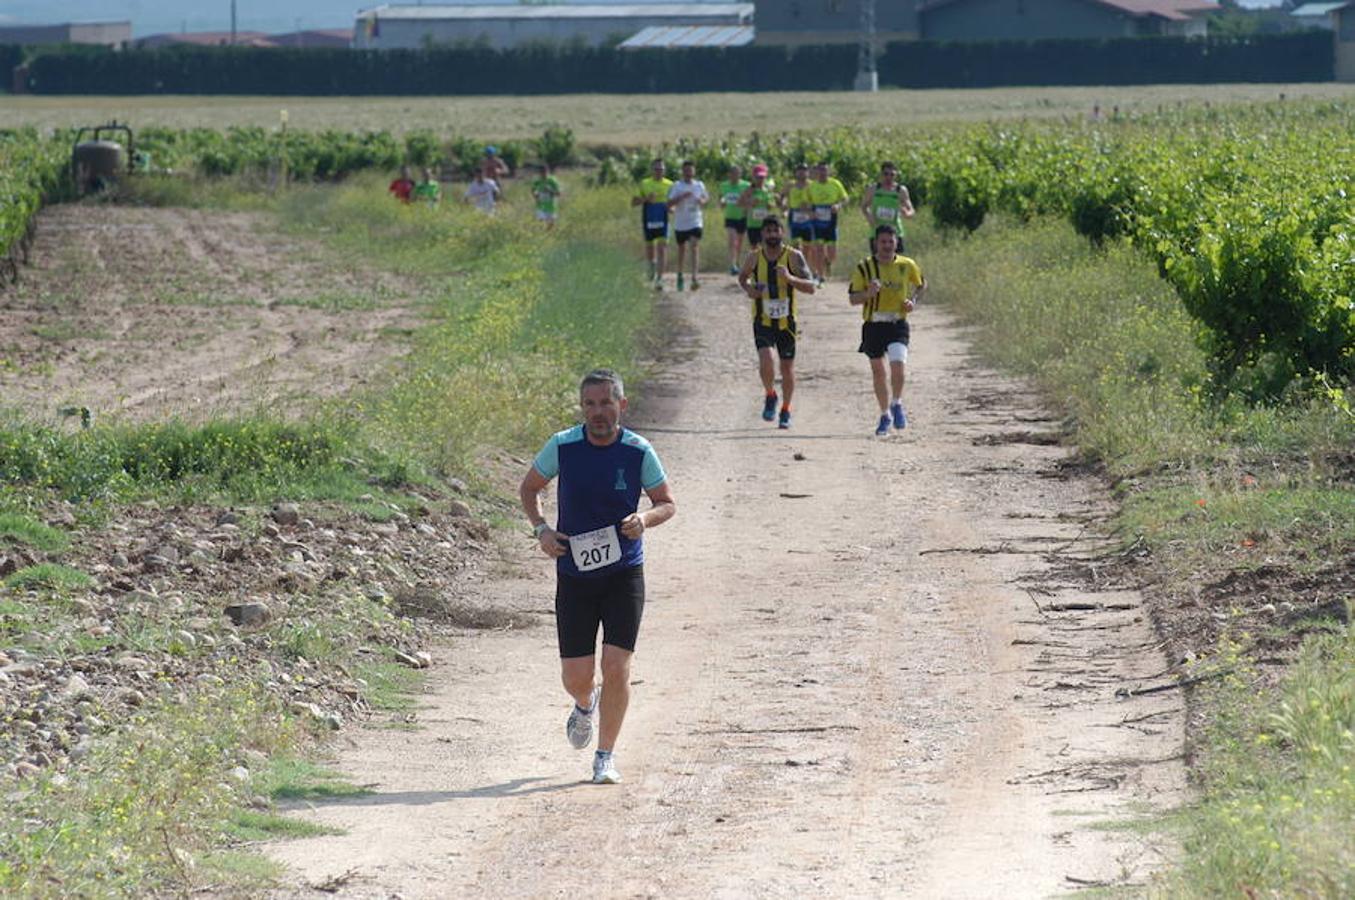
186 595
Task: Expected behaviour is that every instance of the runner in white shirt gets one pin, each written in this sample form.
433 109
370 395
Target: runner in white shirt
483 192
686 198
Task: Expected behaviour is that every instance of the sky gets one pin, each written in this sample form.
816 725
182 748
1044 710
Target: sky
156 16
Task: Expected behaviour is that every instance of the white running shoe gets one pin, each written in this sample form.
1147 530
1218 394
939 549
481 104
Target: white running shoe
604 770
579 725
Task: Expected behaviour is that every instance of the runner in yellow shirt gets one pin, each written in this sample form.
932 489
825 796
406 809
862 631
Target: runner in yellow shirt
651 195
827 195
800 210
887 287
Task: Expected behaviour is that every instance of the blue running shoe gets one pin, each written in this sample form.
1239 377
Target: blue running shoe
769 407
899 416
883 428
784 421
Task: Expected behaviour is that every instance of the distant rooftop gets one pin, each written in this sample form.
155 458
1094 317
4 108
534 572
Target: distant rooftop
558 11
666 36
1175 10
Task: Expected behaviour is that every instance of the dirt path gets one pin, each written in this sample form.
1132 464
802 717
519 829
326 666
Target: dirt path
854 677
144 313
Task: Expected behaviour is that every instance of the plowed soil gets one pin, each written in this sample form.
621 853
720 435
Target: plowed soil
148 313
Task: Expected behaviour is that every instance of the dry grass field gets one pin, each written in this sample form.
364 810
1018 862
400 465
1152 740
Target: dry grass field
638 118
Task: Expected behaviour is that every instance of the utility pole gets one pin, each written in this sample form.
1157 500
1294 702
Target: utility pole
867 78
232 23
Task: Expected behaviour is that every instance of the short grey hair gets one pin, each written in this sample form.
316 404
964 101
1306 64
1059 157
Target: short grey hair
607 377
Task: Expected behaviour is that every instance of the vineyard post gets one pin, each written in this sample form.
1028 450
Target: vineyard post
282 174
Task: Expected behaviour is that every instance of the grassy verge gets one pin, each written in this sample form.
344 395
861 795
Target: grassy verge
1218 493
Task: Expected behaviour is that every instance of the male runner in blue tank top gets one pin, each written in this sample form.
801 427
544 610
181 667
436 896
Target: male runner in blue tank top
599 552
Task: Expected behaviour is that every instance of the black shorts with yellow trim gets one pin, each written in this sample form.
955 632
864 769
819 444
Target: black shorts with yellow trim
783 339
877 336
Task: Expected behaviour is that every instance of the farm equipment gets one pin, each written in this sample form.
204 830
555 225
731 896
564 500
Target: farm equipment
97 161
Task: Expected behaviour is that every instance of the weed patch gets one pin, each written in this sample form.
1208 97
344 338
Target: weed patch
26 530
49 576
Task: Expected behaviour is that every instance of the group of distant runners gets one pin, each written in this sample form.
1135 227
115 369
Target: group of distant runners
886 284
485 189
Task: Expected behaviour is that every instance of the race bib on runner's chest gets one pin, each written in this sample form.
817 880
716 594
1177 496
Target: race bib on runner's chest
776 309
759 213
732 199
823 213
799 216
886 213
595 549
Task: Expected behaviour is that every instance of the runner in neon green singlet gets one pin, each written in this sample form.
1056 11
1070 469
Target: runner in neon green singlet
736 217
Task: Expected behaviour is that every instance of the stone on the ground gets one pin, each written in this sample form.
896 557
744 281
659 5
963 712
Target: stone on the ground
248 615
286 514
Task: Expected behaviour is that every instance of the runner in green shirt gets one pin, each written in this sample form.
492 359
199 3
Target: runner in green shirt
736 217
547 192
428 190
887 203
759 201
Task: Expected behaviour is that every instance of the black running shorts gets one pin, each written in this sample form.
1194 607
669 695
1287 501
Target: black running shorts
754 235
877 336
615 601
783 339
687 235
739 225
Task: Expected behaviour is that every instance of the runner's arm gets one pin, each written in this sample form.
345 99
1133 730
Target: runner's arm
914 300
797 273
747 272
861 297
529 492
662 508
905 203
866 203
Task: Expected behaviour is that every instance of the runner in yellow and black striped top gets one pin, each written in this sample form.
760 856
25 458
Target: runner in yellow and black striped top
772 275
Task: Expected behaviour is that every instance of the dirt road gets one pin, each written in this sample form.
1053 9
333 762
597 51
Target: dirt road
857 673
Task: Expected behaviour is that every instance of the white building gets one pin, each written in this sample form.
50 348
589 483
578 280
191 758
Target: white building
393 26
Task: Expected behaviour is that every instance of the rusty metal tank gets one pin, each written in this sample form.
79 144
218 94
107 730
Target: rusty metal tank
98 161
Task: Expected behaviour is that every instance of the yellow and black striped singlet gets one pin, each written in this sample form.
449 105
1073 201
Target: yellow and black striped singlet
764 272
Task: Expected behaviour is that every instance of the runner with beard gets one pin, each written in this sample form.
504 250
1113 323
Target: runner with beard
773 276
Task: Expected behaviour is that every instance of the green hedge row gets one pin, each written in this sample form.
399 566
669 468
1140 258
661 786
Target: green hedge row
569 69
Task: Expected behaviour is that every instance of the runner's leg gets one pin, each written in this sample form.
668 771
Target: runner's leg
896 376
787 382
577 674
877 375
615 694
766 368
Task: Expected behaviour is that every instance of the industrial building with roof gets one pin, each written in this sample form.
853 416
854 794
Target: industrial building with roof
392 26
107 34
1005 20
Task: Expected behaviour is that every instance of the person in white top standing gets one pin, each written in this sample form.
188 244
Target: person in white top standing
686 198
482 192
